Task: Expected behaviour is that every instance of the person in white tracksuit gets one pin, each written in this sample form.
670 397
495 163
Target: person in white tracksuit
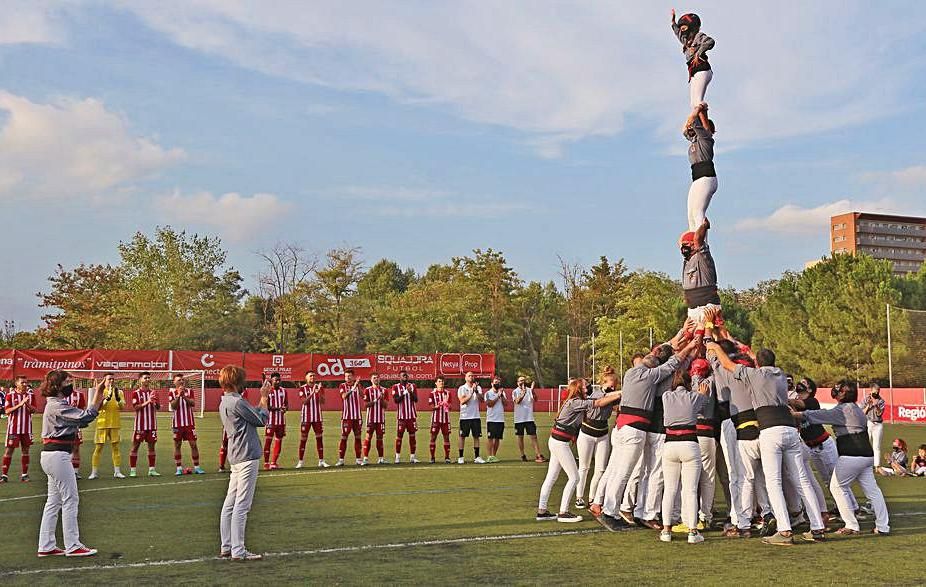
60 424
681 455
565 430
593 443
856 458
779 443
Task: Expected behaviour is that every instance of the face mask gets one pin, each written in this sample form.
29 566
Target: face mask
67 389
686 251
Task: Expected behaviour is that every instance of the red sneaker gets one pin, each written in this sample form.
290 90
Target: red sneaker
52 552
266 466
82 551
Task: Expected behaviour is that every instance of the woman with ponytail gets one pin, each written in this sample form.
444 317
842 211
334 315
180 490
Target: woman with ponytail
565 430
593 440
60 423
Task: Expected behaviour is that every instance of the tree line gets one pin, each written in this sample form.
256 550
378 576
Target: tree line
172 289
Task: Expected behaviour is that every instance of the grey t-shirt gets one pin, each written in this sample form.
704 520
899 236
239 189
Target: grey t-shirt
641 384
680 407
768 385
846 418
701 149
698 270
573 411
730 389
594 413
241 421
61 419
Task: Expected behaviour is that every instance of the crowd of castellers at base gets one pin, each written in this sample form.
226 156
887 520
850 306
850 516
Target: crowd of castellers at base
703 408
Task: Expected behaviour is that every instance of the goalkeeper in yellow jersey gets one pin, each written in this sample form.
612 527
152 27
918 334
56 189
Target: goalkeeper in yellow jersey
107 427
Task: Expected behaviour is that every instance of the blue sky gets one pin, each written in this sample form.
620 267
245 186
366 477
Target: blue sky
421 130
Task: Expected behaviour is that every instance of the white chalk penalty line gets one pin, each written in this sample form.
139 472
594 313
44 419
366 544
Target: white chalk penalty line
224 477
332 550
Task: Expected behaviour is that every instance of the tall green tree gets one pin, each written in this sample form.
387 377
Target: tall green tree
84 307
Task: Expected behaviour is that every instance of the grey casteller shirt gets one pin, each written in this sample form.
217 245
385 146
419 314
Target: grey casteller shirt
241 421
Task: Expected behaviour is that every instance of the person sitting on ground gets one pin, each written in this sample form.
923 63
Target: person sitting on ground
919 463
896 460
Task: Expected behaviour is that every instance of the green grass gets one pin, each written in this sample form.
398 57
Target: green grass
296 512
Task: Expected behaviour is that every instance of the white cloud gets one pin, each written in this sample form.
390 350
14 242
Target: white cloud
793 219
236 217
71 147
560 72
913 177
30 22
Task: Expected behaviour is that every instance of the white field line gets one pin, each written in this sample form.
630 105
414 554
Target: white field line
332 550
214 478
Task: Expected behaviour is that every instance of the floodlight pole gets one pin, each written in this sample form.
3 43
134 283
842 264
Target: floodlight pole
890 361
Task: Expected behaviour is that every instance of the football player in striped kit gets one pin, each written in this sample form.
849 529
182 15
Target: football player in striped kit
182 403
374 398
312 396
351 416
18 407
146 405
276 425
79 401
439 400
405 395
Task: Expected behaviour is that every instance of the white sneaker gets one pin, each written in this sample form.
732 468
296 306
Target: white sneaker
479 460
695 539
413 460
357 461
299 465
460 461
381 461
94 474
340 463
665 536
323 465
248 556
118 474
398 459
365 462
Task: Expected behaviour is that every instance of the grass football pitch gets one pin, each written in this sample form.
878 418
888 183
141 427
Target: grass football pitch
411 524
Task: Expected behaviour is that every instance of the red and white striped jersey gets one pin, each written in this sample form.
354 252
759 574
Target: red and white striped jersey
351 410
312 409
77 399
277 399
147 417
376 414
440 406
405 395
19 421
183 413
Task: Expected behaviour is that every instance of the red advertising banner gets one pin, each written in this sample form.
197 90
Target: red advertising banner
116 360
291 367
419 367
458 364
7 359
332 367
35 364
909 413
210 361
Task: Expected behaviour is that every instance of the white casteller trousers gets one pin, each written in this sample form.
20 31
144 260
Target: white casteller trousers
561 459
241 485
731 457
627 445
782 462
681 461
848 470
875 432
752 486
708 479
62 498
699 198
697 87
591 447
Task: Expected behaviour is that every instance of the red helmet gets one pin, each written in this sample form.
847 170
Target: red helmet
687 238
691 19
700 367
